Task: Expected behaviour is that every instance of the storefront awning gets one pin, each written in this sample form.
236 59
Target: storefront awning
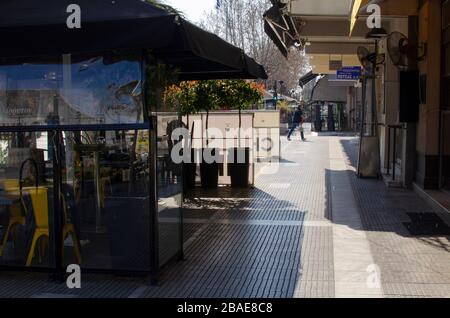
280 27
39 28
305 79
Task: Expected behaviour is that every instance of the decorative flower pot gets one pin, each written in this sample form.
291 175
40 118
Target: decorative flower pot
189 172
209 172
239 167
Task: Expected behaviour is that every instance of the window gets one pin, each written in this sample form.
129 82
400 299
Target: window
26 191
106 179
73 90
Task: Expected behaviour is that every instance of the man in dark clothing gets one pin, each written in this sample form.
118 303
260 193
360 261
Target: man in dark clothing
297 121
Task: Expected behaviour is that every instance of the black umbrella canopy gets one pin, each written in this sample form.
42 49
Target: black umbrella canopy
29 12
39 28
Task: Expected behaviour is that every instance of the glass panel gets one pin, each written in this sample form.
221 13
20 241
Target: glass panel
25 216
28 93
169 190
72 90
106 189
104 89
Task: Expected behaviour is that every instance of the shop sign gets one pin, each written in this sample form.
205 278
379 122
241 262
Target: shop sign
349 73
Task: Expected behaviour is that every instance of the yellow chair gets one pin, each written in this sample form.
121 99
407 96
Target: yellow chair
10 184
16 215
69 229
40 210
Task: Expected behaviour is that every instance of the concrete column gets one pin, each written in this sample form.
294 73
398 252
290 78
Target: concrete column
427 173
389 107
410 129
389 111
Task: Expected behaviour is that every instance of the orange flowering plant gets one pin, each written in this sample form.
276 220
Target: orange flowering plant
194 96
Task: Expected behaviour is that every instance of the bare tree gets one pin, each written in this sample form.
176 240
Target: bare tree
241 23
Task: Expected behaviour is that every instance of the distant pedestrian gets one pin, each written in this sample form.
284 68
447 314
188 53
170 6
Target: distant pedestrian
297 121
302 131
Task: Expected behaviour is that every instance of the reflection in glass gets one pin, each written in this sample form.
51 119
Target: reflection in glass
106 189
169 189
72 90
26 196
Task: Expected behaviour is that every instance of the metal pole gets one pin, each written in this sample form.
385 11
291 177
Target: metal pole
98 205
394 154
363 105
57 228
389 151
154 215
374 129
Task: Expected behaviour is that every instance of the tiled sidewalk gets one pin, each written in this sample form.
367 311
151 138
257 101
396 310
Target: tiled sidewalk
252 245
309 228
410 266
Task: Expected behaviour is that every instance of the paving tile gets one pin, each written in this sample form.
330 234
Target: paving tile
355 289
399 256
343 276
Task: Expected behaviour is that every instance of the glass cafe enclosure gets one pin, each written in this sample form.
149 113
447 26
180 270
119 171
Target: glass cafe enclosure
84 177
85 171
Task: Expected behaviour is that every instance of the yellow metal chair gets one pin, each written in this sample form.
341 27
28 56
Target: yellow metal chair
69 229
16 215
40 210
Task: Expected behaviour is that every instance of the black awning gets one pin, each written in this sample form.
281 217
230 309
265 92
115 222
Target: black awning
38 28
305 79
280 27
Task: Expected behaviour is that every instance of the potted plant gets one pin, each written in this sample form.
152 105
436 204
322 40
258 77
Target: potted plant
239 94
206 96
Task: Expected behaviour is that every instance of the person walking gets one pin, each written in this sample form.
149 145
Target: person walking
297 121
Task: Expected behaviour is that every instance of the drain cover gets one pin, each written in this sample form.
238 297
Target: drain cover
427 224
